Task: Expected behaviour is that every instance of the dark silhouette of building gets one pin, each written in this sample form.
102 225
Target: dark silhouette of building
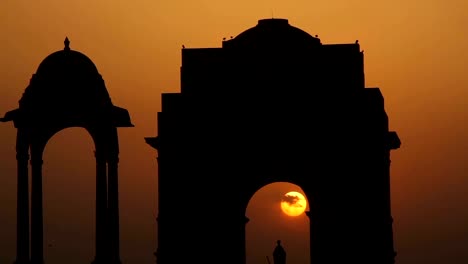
279 254
67 91
274 104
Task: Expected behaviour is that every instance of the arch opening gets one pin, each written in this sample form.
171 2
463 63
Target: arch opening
269 223
69 197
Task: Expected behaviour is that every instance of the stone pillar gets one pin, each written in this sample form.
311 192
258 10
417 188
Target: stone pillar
113 207
243 254
312 234
390 250
101 208
22 208
37 253
157 252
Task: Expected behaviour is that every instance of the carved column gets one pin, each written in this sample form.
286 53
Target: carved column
390 250
243 255
113 207
157 252
101 207
37 254
312 234
22 207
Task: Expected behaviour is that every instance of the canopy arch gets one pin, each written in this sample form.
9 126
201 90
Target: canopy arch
67 91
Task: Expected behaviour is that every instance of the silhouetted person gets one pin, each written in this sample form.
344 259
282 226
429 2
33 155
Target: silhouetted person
279 254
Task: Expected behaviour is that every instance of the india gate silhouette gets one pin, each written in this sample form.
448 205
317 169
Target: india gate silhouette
274 104
67 91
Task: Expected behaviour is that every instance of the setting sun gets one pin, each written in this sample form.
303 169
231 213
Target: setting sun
293 203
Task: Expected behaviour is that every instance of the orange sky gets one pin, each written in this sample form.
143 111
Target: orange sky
415 52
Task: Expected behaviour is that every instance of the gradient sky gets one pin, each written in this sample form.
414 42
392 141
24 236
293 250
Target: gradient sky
414 51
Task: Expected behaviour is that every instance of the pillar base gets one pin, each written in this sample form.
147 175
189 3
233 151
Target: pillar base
105 261
24 261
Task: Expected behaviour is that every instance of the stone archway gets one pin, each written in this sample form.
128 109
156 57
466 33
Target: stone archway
67 91
271 102
269 223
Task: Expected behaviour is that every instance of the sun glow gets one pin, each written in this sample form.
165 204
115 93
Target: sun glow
293 203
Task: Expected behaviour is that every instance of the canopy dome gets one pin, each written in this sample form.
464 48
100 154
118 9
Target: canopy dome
66 80
67 90
66 62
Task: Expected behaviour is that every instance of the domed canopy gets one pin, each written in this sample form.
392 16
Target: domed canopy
273 32
66 61
67 87
66 79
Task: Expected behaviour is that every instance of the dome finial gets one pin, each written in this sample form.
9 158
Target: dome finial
67 43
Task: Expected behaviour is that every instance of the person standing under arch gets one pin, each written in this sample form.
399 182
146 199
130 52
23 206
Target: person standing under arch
279 254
